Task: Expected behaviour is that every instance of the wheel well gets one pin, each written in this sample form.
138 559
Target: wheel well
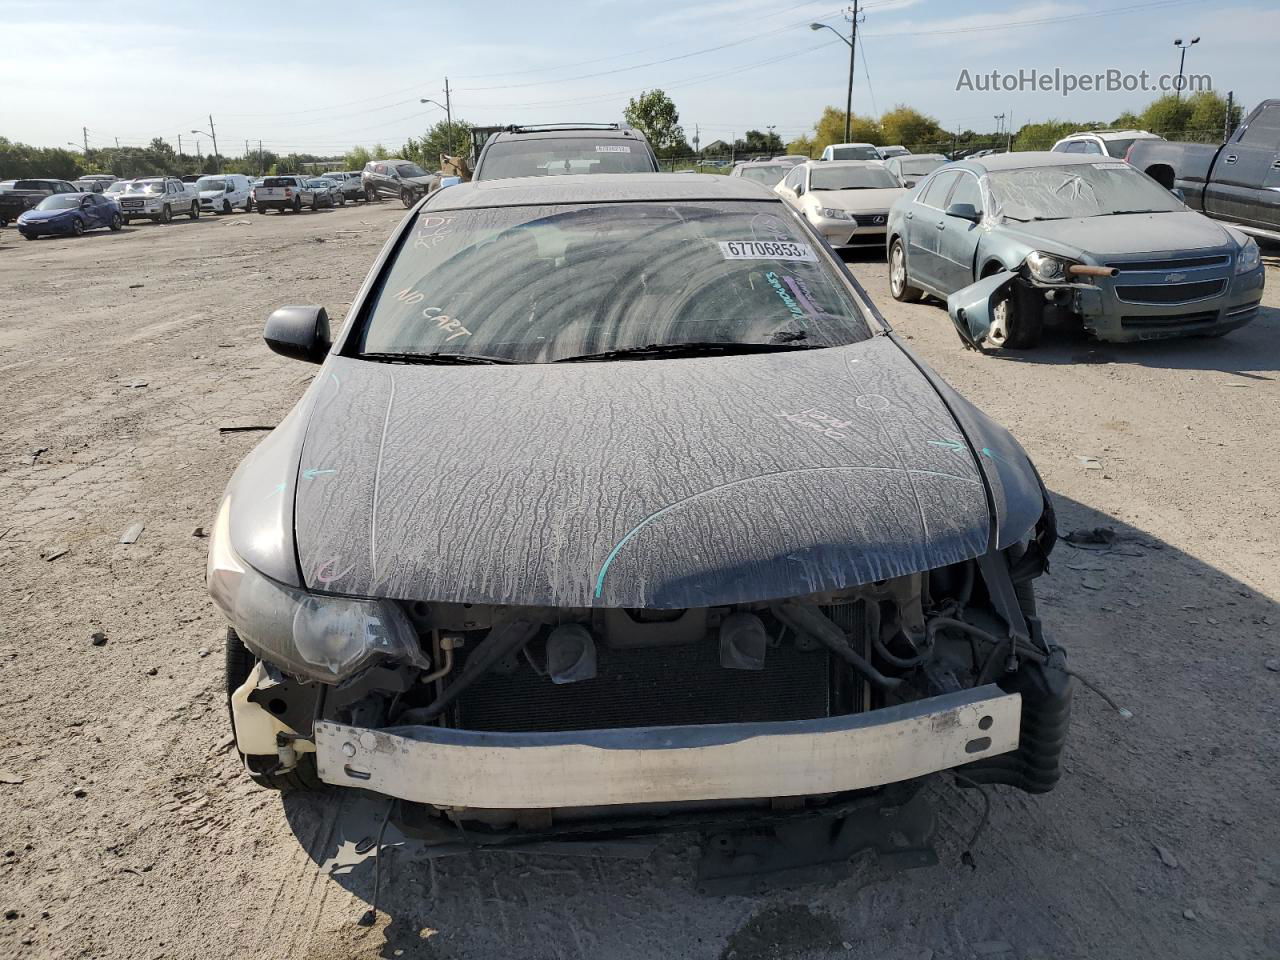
989 268
1162 174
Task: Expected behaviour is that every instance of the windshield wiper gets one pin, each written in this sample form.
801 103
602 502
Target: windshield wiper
441 358
1120 213
692 348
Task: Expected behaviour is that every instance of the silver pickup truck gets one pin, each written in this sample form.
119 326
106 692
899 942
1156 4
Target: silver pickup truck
284 193
159 199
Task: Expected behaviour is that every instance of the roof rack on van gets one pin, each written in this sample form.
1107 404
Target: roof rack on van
533 127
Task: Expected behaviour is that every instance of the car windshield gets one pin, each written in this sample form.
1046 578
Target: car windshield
147 186
768 175
538 284
1077 190
60 201
117 187
410 170
920 165
279 182
564 155
850 178
211 183
33 185
854 153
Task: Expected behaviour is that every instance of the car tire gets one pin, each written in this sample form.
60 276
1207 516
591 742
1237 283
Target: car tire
195 211
226 206
899 283
1015 326
342 199
117 224
30 236
370 194
77 227
248 205
3 223
315 204
406 197
239 663
166 215
297 205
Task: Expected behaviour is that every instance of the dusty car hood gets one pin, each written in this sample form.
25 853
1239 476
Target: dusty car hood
672 483
859 201
1129 234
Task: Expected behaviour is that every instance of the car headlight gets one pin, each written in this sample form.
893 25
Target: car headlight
1249 257
1046 268
312 636
832 214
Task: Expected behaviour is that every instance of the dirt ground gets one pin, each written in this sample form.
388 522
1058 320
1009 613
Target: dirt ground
128 831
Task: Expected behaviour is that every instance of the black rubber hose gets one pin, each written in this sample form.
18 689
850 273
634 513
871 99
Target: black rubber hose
811 622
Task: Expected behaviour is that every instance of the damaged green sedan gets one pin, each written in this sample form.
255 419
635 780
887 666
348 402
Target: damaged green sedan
1020 241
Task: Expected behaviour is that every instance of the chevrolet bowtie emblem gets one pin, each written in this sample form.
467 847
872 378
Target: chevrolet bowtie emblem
1175 277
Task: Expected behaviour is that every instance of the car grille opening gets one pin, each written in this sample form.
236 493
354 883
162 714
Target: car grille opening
1183 263
1172 292
1180 320
665 686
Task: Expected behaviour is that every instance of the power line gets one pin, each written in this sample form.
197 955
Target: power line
1016 24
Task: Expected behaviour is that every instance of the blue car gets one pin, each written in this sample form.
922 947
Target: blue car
70 213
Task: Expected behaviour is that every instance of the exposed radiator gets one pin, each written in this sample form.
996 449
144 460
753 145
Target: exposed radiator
654 686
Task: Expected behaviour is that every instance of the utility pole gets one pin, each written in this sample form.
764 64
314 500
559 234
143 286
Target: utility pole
260 158
213 133
448 114
1182 62
85 132
1226 121
1009 134
697 137
179 145
853 18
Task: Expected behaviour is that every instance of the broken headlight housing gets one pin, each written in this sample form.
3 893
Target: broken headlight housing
1249 256
1047 268
309 635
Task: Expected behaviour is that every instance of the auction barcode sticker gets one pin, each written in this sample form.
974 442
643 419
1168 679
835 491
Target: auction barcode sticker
619 149
766 250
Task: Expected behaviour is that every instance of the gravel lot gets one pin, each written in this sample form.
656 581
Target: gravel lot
127 831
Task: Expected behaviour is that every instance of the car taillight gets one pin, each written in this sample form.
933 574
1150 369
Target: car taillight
288 191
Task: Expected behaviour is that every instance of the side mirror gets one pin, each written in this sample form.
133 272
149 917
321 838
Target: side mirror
964 211
1177 192
301 333
799 189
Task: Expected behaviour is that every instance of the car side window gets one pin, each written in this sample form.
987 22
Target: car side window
935 194
1264 131
967 191
1090 146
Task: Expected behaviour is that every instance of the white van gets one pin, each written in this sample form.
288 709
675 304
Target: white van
223 192
850 151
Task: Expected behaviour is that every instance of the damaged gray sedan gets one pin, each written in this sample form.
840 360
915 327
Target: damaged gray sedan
1019 241
617 506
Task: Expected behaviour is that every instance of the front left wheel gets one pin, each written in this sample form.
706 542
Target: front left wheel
239 664
194 212
899 286
77 227
116 224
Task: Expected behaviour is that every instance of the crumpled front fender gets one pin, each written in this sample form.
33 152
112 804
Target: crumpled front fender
972 307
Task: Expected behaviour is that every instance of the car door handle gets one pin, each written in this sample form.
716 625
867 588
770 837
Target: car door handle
909 214
1232 158
1275 164
941 225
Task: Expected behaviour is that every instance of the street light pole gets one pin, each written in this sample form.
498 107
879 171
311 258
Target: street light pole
1182 62
447 107
213 135
853 49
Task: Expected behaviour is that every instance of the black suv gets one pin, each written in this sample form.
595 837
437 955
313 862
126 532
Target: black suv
397 178
553 149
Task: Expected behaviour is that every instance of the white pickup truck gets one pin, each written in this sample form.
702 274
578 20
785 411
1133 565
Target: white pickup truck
159 199
286 192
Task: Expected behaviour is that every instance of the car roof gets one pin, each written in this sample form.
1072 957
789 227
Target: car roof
1031 158
828 164
597 188
852 144
1111 134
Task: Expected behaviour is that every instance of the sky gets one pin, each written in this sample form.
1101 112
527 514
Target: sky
324 76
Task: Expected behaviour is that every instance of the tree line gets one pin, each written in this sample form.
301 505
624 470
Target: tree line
1202 116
